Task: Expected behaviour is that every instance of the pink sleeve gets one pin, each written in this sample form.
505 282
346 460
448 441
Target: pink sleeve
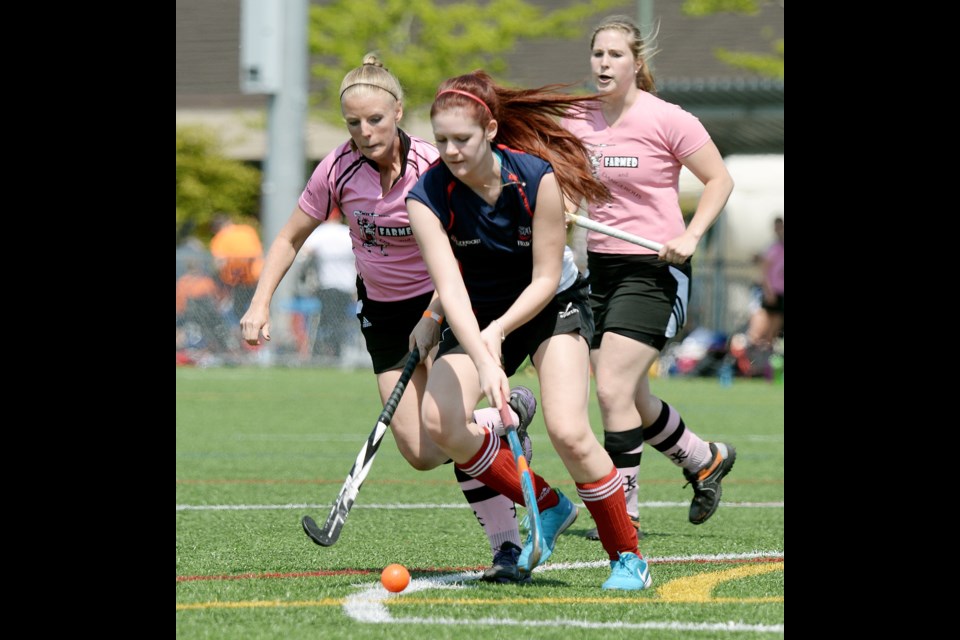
317 197
684 132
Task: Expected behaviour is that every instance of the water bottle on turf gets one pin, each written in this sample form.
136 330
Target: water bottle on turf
726 372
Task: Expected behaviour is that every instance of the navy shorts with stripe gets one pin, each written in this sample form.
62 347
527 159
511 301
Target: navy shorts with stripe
568 312
638 296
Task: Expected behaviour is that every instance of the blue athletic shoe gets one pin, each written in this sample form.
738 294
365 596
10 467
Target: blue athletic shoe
629 573
553 521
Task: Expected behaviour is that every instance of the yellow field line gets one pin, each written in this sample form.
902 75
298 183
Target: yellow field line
699 587
255 604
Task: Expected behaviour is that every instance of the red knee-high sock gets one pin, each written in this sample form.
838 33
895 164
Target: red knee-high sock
604 498
493 465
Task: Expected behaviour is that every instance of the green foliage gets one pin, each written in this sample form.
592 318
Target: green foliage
700 8
209 183
424 43
765 64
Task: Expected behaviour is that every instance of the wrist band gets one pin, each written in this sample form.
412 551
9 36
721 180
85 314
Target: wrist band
503 336
436 316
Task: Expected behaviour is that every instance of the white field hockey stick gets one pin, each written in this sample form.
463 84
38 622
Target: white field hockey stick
593 225
526 482
330 532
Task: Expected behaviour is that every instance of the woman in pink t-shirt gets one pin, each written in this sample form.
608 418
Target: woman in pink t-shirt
638 144
767 322
367 179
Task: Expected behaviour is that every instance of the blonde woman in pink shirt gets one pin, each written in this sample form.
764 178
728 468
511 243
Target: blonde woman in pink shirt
367 178
638 145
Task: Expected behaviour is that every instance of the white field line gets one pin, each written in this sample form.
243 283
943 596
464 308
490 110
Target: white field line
583 624
367 605
743 437
299 437
414 506
358 439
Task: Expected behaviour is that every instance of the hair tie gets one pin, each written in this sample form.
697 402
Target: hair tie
355 84
469 95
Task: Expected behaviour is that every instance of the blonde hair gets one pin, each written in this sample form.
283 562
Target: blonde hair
372 73
642 51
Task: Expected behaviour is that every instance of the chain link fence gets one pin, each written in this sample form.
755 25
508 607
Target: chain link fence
311 325
316 326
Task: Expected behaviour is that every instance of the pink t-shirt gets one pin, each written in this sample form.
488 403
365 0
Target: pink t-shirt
639 160
386 252
774 258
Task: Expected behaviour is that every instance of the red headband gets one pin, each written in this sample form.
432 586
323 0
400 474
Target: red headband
469 95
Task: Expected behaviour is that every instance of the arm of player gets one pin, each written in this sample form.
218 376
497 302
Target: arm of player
442 266
282 253
426 333
707 165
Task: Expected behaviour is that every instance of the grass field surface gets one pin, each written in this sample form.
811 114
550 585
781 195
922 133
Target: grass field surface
259 448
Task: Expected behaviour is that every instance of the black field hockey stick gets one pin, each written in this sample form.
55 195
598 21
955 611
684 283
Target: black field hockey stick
526 482
328 534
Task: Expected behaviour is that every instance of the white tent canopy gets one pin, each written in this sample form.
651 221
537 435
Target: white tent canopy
757 199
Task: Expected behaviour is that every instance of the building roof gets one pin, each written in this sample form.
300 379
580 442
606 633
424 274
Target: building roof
742 111
742 116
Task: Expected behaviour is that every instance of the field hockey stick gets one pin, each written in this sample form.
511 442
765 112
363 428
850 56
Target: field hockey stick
593 225
328 534
526 481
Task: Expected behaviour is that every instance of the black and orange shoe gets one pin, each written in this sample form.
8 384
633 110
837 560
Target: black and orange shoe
706 482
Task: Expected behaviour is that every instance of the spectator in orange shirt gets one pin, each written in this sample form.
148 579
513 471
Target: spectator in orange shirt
198 312
193 284
238 254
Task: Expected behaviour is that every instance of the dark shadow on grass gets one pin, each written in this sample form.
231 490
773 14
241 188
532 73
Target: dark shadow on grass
582 533
538 581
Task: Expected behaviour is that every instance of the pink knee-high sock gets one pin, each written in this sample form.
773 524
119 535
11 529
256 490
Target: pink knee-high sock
490 417
672 438
496 513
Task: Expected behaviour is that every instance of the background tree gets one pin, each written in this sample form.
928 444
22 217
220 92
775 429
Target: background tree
766 64
425 42
209 183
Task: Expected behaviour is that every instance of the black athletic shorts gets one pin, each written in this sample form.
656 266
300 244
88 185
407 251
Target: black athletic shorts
638 296
776 307
568 312
386 327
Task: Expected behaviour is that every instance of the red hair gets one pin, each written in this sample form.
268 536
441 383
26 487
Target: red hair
527 121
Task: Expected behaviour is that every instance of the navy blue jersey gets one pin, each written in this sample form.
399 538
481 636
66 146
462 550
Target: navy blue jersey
493 244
